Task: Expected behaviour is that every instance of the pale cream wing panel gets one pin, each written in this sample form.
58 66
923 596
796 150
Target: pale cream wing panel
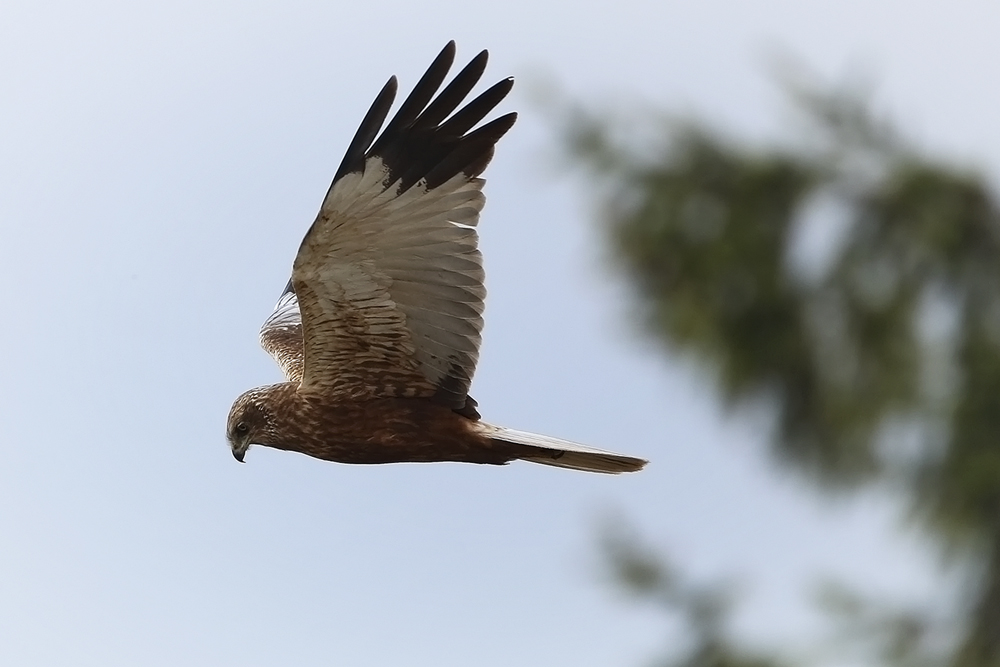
390 286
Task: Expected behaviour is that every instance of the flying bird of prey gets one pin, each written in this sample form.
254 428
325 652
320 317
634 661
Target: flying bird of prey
378 330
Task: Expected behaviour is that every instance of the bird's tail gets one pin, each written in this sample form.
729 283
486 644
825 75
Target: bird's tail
562 453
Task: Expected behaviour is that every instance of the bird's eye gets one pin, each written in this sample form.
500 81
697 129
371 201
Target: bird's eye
242 428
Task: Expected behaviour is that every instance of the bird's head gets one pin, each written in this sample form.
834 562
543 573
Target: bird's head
249 422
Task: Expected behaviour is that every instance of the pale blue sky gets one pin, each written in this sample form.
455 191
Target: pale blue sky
158 167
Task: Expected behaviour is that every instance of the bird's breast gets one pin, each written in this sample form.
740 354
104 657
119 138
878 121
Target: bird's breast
387 430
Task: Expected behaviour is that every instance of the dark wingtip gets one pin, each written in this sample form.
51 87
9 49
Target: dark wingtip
354 158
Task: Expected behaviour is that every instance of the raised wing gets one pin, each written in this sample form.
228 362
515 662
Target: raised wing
281 335
389 278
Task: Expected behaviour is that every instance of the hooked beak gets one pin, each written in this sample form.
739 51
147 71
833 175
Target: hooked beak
239 453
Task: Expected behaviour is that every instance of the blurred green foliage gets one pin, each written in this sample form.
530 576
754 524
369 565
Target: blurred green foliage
863 630
878 350
702 610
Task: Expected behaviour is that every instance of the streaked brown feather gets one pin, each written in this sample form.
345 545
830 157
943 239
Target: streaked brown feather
388 430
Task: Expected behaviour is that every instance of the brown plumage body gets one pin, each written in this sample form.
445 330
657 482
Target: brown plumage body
379 430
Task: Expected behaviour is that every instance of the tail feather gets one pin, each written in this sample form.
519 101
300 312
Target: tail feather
563 453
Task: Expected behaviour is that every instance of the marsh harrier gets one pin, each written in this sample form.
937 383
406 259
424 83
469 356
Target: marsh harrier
378 330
